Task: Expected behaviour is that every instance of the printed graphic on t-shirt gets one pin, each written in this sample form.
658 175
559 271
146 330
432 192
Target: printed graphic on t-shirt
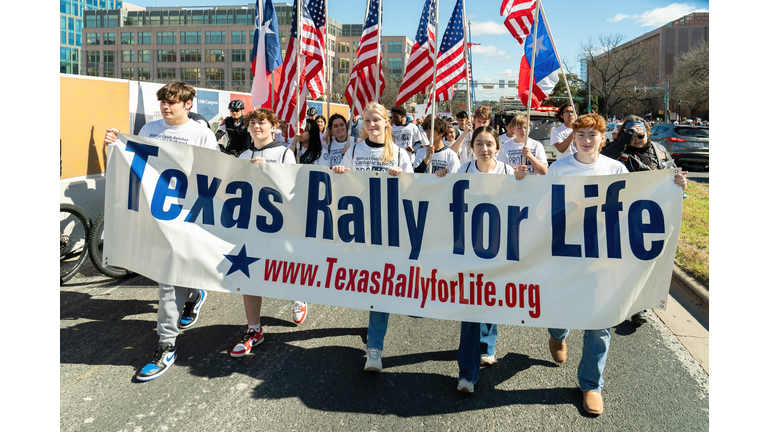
172 138
336 153
372 163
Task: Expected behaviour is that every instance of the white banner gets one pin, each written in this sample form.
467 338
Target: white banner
547 251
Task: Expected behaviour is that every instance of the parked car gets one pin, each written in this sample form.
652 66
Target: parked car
610 132
686 144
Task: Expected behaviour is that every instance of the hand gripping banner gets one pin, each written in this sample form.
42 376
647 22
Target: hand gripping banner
547 251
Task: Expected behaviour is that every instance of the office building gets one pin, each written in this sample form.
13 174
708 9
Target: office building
72 12
207 46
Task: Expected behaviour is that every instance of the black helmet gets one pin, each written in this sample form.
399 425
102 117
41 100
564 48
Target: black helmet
312 111
236 105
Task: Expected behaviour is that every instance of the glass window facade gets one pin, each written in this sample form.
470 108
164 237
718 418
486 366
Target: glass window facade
214 55
215 37
166 55
166 74
109 38
126 38
238 55
144 38
166 38
143 74
190 37
238 37
128 56
142 56
190 55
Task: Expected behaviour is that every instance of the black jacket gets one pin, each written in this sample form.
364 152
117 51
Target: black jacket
655 152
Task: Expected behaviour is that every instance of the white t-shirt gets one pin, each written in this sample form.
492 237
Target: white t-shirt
324 159
500 168
274 152
503 138
336 151
281 138
559 134
512 153
443 158
570 166
406 136
191 132
363 157
463 152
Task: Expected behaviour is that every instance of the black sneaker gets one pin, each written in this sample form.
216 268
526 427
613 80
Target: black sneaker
639 318
192 311
161 360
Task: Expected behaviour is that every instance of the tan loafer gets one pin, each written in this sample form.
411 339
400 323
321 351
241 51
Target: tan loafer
558 350
593 402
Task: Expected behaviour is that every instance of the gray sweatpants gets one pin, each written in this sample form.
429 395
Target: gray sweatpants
172 299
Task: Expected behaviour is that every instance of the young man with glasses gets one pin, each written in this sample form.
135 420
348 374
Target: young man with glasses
561 137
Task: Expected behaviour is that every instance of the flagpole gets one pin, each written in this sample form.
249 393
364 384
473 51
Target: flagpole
299 72
530 81
378 57
326 69
466 64
434 85
562 69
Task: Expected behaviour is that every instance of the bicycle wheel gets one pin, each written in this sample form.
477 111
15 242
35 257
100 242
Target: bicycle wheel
95 247
74 228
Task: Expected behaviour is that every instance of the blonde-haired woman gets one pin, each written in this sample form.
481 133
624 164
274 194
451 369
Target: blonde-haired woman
378 152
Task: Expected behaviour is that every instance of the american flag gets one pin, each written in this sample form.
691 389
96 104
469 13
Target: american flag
315 46
364 71
418 70
286 91
451 66
518 17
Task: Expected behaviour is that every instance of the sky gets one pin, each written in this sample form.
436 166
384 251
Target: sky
498 55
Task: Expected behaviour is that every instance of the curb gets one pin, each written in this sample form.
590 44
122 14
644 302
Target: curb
692 286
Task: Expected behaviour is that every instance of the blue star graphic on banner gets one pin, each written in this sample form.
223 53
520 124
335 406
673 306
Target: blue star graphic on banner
241 261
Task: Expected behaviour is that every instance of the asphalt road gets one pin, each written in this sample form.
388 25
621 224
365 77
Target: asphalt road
310 377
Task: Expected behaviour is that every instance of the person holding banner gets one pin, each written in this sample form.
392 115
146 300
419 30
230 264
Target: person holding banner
339 140
436 154
378 152
477 345
311 150
178 307
513 150
262 124
637 152
589 138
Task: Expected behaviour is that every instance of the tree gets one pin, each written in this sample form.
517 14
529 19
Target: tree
614 70
690 82
559 95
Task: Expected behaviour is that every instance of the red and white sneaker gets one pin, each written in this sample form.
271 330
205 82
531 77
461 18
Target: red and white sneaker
250 340
299 311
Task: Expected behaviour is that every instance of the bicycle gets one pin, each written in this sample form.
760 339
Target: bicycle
74 227
95 247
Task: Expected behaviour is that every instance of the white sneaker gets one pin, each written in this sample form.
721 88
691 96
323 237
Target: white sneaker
466 386
373 364
487 360
299 310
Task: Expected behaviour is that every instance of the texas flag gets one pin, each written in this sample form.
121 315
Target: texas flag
545 71
266 55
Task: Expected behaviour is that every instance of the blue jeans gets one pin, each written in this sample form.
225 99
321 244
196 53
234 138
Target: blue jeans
377 329
593 356
476 340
